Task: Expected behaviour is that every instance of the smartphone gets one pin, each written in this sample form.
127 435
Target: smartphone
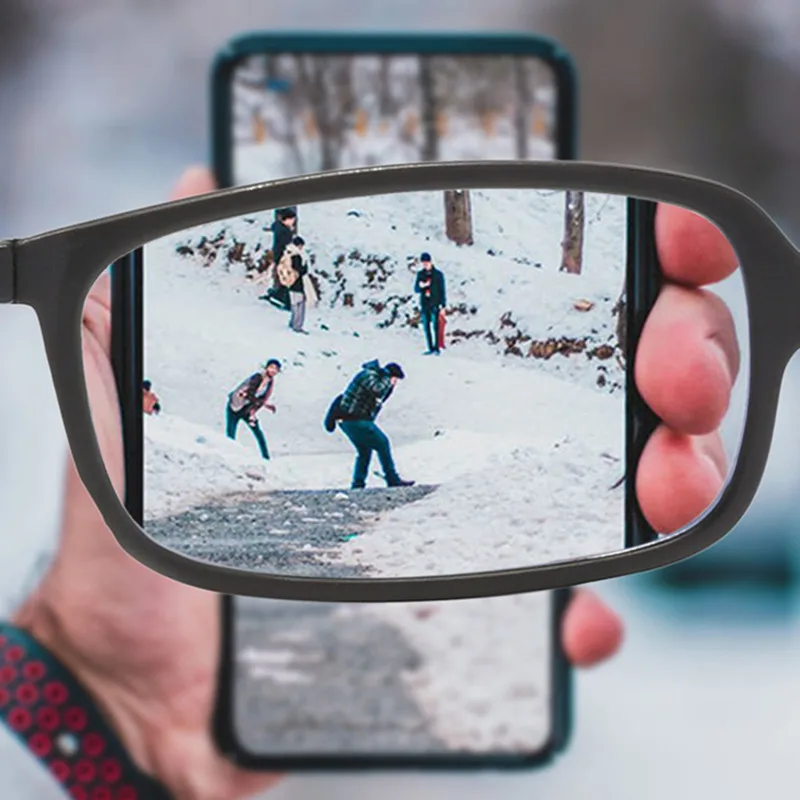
461 684
453 684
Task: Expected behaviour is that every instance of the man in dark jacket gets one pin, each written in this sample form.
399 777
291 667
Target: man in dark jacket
283 229
430 286
358 409
248 398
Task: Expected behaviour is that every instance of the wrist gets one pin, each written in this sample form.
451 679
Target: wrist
173 755
65 723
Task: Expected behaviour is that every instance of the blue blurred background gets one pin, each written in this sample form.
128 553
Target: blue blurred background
104 104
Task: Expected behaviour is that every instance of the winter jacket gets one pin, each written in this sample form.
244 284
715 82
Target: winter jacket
299 265
367 392
282 236
430 287
244 400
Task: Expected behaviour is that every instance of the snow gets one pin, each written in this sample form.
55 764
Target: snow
484 682
525 450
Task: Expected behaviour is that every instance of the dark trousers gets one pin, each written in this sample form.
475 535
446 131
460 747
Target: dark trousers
430 322
367 437
233 419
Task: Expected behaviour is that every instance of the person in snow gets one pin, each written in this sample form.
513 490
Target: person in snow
430 286
248 398
150 401
295 257
283 231
356 411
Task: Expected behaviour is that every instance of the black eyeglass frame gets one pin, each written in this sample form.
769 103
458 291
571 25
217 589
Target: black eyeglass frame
54 272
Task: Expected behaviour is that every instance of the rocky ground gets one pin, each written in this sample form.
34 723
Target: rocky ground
298 533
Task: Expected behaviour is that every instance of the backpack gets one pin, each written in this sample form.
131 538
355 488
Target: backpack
334 414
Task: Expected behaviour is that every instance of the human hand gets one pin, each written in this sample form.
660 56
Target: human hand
146 647
686 363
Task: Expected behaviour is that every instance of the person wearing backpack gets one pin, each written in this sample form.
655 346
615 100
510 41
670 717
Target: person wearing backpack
247 399
283 231
298 261
356 410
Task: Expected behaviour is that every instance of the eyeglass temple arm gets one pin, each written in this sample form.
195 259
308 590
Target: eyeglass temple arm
8 272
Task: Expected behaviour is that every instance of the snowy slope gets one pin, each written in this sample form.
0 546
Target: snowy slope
474 420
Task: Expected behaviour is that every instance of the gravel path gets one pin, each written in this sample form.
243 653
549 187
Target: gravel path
311 680
299 533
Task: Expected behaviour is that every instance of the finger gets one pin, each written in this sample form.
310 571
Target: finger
195 180
691 249
679 477
688 359
590 632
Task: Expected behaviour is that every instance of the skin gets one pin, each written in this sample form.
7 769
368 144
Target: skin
147 647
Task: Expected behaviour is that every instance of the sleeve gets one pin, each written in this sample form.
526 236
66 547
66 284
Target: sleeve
417 287
442 289
299 265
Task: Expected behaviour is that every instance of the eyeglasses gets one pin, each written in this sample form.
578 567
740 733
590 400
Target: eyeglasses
508 453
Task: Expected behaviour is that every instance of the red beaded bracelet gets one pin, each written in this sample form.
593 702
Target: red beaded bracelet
43 704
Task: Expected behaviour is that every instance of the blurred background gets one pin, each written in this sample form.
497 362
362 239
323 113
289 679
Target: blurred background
105 103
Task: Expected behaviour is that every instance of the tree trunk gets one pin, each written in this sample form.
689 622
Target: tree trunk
522 116
385 98
458 216
620 309
430 132
572 244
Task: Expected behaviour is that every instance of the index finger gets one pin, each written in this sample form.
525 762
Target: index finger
692 250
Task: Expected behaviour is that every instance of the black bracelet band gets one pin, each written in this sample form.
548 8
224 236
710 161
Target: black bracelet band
48 710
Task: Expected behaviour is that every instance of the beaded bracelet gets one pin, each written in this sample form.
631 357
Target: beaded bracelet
53 716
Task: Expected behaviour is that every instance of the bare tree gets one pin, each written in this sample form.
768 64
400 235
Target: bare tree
523 107
620 309
387 105
458 216
327 84
429 110
572 244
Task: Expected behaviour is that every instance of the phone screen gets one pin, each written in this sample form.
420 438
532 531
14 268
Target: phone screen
472 680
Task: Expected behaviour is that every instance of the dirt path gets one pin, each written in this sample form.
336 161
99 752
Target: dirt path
312 681
300 533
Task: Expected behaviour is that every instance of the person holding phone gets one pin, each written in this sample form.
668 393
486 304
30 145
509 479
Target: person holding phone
146 649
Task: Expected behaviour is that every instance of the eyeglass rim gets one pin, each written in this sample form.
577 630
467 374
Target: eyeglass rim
53 273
